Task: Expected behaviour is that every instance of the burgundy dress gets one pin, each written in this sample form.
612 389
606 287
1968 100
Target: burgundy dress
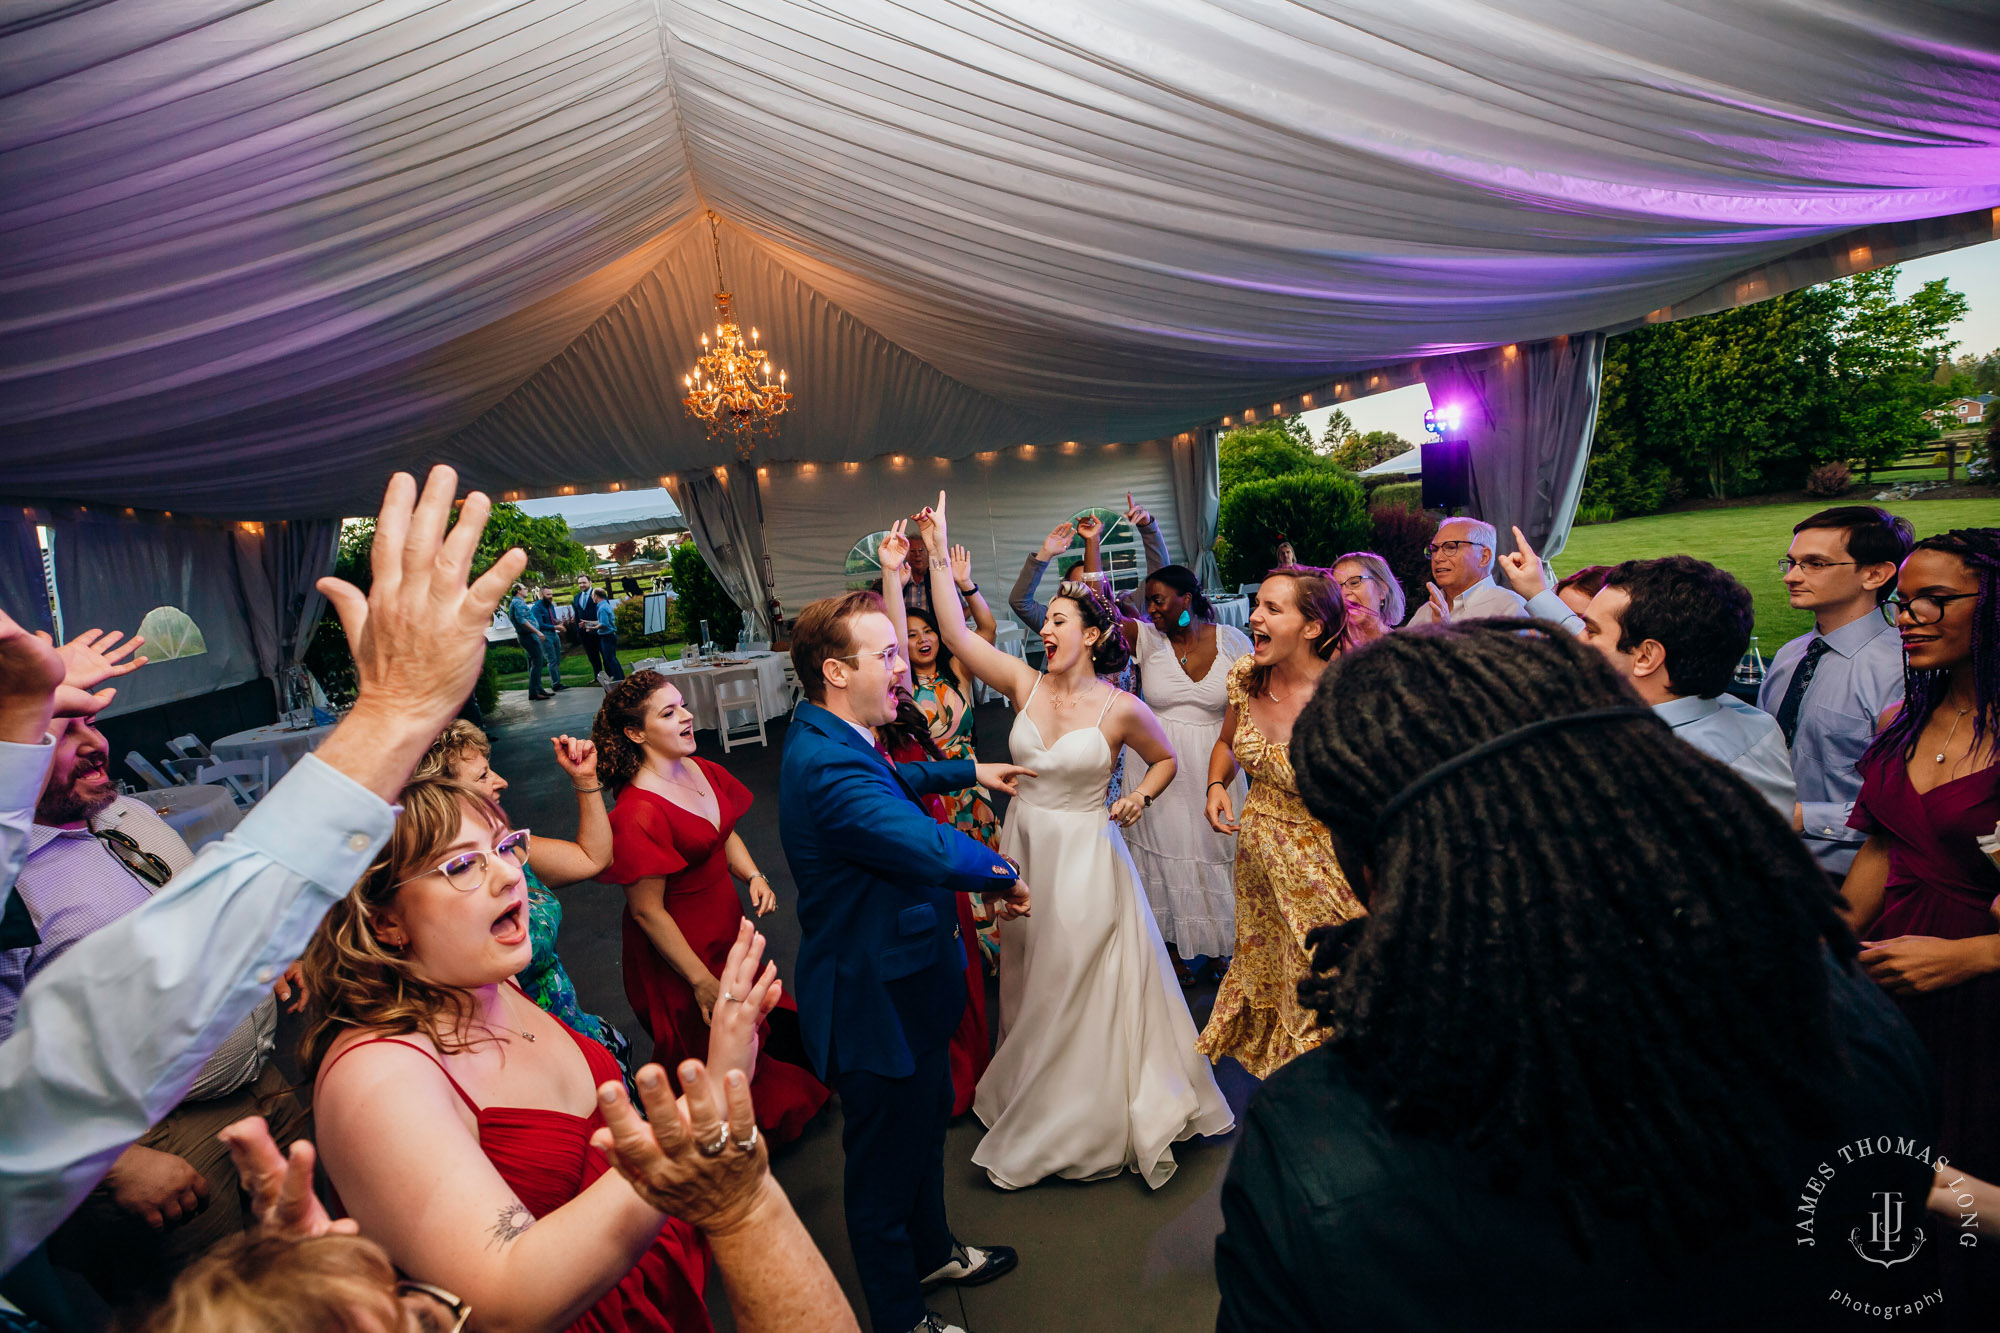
971 1047
546 1159
1941 885
650 835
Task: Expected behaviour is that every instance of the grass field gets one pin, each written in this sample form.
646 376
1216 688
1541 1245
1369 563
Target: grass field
576 667
1749 543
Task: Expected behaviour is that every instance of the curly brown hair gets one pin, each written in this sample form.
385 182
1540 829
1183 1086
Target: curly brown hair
618 758
354 979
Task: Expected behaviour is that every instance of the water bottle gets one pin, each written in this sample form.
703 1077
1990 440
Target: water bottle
706 645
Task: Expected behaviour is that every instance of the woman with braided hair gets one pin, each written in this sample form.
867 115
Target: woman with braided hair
1579 1069
1287 881
1921 894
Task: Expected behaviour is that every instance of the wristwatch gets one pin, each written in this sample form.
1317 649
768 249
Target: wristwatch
1147 797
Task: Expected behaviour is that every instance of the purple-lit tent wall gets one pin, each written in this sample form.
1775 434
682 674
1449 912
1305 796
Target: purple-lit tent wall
258 256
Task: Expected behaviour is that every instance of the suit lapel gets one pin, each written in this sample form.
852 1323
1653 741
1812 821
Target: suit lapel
836 728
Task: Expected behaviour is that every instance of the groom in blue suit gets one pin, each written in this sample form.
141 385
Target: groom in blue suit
881 971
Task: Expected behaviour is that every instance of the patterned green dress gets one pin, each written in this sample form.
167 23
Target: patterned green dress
968 810
549 986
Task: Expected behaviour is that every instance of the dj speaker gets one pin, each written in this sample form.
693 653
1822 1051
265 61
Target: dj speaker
1447 474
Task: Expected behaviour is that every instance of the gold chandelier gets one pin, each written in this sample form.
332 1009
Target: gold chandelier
730 387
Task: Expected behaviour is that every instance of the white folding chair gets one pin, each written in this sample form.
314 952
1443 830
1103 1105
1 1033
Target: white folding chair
182 771
189 746
154 778
794 692
736 694
247 779
1248 589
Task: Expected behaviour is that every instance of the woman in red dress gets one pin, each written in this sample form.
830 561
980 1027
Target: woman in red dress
454 1116
674 847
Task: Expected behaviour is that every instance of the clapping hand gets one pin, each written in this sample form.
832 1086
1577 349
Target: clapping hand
1523 567
280 1185
1057 541
578 758
1135 513
961 568
1440 604
894 550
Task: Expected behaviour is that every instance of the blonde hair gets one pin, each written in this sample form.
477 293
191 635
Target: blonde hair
354 979
459 739
253 1284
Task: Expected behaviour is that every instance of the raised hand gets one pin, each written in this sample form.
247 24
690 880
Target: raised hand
31 675
1000 777
578 758
1058 540
1135 513
1440 604
894 551
932 524
280 1185
961 568
95 656
1523 567
1092 528
749 992
662 1158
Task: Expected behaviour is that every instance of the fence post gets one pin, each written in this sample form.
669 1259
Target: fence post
1951 460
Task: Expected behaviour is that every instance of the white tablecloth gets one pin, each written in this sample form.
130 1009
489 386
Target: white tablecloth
200 814
285 747
1231 611
697 685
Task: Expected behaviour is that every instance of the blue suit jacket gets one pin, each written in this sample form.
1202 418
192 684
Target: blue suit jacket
881 972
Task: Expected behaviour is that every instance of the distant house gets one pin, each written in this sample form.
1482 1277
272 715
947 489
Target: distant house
1963 411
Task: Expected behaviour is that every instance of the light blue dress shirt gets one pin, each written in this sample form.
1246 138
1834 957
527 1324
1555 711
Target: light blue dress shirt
108 1039
1745 738
1545 605
1852 687
23 770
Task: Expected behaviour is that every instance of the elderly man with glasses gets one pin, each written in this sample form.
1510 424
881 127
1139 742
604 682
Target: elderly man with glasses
1461 557
1829 688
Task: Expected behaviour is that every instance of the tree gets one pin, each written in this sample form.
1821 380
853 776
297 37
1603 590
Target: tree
652 549
1365 451
552 553
699 596
1323 513
1887 354
1339 430
625 552
1270 449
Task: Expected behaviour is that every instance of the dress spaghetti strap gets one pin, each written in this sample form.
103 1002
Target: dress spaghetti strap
397 1041
1109 700
1040 676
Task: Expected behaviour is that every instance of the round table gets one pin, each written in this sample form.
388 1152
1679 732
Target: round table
697 685
1230 611
285 747
200 813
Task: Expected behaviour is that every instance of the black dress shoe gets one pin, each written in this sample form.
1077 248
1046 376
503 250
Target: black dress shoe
537 698
972 1265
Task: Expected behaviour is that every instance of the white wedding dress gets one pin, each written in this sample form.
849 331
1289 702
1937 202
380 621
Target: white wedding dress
1097 1070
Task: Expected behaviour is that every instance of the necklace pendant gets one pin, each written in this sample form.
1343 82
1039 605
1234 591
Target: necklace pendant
529 1035
1940 757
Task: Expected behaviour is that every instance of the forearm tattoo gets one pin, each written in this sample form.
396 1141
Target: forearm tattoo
513 1220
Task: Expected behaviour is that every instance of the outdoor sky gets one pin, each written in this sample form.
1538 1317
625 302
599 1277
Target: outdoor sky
1974 270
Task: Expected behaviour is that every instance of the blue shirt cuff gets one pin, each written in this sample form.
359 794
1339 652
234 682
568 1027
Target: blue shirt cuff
1545 605
320 824
23 769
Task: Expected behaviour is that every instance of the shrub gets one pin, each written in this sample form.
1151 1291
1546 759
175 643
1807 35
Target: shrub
1829 480
1321 513
1399 537
1399 495
631 618
487 692
507 659
702 598
1589 514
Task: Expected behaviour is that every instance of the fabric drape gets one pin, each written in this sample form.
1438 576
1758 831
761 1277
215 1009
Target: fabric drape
1198 501
1530 411
24 592
110 573
726 518
276 565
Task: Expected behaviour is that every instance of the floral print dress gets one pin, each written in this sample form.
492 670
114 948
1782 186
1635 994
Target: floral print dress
968 810
545 981
1287 882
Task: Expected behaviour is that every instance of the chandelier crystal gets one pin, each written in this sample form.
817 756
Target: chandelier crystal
731 387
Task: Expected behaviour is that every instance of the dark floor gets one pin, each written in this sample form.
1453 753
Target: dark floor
1108 1255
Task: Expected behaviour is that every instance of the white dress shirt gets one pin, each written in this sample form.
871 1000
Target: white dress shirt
1745 738
1853 685
110 1036
1483 600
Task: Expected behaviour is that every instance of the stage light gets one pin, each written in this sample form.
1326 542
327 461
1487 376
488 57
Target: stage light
1444 421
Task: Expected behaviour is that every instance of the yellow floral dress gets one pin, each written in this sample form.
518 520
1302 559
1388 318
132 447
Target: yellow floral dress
1287 882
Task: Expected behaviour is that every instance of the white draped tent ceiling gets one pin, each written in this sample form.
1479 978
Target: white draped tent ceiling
256 255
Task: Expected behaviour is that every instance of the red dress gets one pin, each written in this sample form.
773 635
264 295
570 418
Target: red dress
971 1048
650 835
546 1159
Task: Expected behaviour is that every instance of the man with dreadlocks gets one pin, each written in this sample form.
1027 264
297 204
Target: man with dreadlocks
1578 1068
1920 891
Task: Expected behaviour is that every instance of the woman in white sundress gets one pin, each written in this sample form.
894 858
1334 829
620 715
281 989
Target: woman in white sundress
1096 1072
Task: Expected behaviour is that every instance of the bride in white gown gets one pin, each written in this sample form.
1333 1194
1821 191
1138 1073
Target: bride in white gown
1096 1071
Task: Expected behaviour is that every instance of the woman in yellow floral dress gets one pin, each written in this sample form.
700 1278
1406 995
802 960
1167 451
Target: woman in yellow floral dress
1287 880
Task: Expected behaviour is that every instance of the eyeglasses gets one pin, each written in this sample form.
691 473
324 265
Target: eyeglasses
450 1306
1354 583
466 872
886 656
1812 564
1925 610
1430 552
137 859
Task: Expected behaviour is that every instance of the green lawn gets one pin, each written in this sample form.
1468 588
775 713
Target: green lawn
576 667
1749 543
